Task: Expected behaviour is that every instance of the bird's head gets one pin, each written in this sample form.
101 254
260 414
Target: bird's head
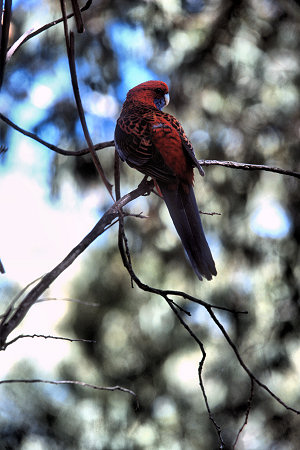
154 93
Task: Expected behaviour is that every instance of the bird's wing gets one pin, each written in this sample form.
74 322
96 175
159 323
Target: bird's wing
135 145
186 143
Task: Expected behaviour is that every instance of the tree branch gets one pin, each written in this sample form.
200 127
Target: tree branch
11 321
78 16
61 338
200 371
77 383
102 145
66 299
5 17
244 366
246 414
125 254
246 166
45 299
32 33
69 38
52 147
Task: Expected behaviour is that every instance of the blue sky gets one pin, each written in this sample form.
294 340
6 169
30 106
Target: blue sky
269 219
134 51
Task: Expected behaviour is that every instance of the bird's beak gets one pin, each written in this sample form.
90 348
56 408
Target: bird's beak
167 99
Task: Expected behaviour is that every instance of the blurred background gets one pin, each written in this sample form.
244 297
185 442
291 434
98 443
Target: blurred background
233 72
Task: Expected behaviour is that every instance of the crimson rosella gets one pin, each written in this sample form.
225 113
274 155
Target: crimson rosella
154 143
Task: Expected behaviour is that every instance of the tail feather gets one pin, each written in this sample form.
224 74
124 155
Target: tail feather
184 212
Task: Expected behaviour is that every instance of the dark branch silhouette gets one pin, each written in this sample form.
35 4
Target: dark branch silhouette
69 38
247 412
22 336
126 258
11 319
5 17
60 151
32 32
103 145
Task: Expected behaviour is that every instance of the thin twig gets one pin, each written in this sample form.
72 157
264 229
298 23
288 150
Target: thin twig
69 38
52 147
210 213
246 413
21 336
4 317
244 366
246 166
137 216
201 364
32 33
3 149
8 324
66 299
125 254
49 299
185 311
18 43
77 383
183 294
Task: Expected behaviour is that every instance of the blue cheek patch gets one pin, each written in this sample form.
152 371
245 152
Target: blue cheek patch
159 103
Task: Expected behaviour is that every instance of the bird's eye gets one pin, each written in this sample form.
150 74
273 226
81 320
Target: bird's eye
159 91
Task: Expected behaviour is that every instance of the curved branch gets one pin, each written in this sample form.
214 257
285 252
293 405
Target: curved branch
61 151
200 371
125 254
70 46
12 320
244 366
246 414
102 145
32 32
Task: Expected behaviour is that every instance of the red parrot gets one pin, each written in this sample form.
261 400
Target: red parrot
155 143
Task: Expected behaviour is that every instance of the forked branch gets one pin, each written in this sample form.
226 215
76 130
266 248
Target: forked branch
125 254
103 145
13 317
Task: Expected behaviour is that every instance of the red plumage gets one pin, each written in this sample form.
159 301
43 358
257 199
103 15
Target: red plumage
155 143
